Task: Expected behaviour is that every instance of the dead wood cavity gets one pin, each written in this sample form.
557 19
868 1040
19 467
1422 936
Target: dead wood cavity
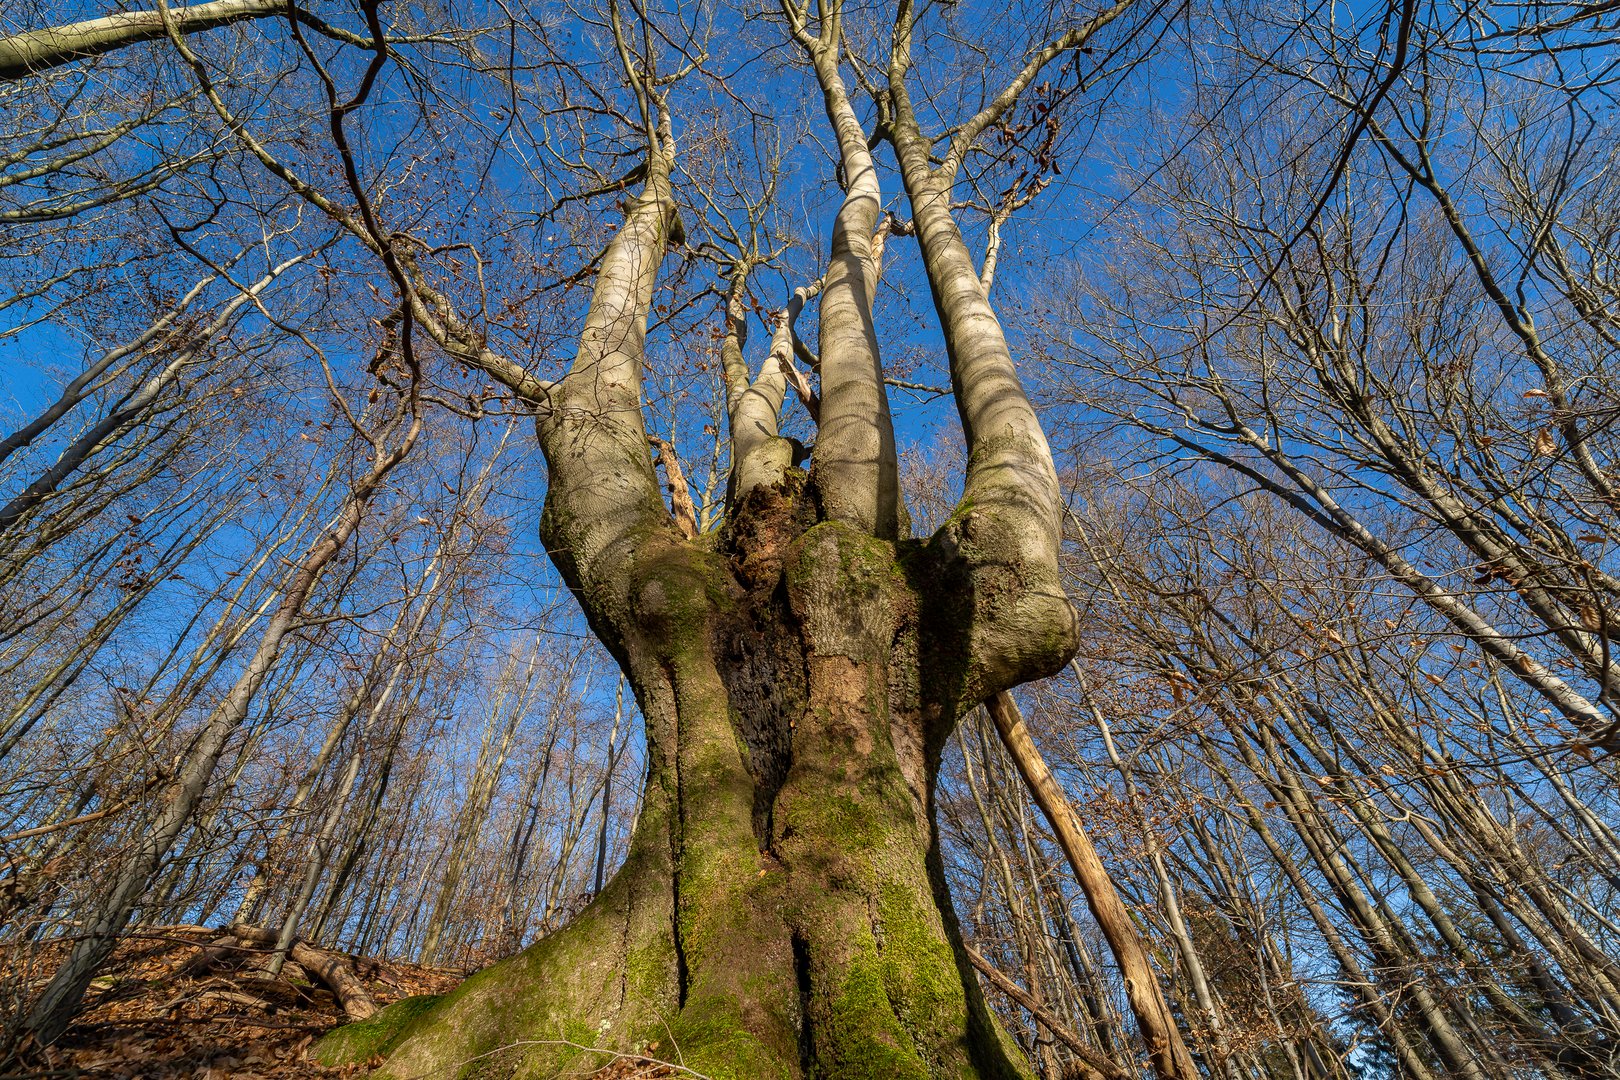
763 667
760 649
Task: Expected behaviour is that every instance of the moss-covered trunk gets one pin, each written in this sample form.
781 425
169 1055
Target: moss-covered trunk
781 911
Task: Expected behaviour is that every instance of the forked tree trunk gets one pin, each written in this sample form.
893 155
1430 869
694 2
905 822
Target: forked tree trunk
782 908
781 911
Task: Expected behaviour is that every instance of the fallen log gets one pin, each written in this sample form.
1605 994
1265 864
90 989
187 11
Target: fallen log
331 968
213 955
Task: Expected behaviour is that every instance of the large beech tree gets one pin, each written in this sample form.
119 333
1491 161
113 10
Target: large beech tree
1331 323
799 667
781 910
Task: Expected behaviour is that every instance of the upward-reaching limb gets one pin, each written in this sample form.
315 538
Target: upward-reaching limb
855 466
603 494
40 50
1007 525
759 455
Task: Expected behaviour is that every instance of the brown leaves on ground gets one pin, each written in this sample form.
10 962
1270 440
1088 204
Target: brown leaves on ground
152 1015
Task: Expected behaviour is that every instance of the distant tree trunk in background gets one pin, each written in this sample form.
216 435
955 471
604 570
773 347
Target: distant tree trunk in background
55 1007
509 706
1153 1015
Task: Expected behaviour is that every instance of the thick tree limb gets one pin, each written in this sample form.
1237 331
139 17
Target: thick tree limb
1008 526
603 500
40 50
856 464
760 455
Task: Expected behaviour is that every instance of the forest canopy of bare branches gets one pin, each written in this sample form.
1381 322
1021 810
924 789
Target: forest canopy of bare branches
863 539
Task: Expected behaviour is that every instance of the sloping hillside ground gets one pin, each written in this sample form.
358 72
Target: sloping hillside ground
195 1002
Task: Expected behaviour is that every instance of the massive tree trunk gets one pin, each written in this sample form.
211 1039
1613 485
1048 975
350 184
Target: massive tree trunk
782 909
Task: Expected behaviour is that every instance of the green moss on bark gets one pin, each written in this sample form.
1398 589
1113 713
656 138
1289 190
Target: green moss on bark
919 969
365 1039
864 1038
714 1038
803 942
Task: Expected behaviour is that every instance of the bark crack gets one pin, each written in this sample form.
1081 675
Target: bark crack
801 974
677 842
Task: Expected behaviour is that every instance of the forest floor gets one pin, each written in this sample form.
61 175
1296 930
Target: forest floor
154 1016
